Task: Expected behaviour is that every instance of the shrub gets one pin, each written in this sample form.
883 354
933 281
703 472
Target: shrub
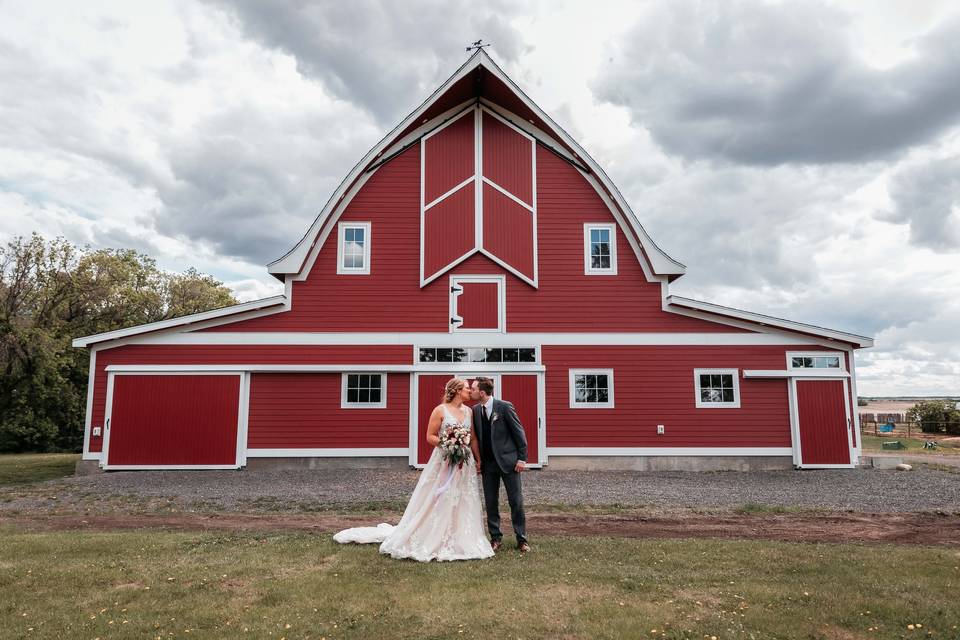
936 416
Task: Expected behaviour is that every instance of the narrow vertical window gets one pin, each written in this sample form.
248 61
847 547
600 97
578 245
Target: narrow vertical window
599 249
353 248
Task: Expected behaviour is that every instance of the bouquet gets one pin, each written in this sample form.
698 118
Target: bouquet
455 444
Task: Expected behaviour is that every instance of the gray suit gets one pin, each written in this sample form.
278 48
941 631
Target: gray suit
509 444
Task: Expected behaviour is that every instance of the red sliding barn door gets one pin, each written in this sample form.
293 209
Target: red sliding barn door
823 423
521 390
173 420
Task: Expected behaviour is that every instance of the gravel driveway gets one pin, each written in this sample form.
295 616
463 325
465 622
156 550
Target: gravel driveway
868 490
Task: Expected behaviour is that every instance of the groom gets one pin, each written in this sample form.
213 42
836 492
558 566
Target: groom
503 455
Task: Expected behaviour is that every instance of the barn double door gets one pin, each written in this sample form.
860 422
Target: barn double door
521 389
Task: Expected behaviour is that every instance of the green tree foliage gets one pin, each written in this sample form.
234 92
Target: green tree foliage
936 416
51 292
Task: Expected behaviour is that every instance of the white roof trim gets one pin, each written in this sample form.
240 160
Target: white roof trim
709 307
293 262
182 320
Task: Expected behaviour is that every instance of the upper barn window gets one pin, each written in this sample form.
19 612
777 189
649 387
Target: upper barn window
353 247
814 360
599 249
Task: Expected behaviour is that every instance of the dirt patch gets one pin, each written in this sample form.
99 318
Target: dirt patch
900 528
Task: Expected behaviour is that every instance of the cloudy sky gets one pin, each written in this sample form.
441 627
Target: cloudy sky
803 159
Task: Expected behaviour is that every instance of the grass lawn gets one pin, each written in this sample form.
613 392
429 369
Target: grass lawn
156 584
913 445
22 468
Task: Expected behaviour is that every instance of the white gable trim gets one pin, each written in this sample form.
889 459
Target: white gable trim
299 259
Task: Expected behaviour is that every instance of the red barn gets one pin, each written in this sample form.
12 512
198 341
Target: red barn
476 238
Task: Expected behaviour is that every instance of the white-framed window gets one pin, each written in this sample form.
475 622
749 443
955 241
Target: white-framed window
599 248
363 390
591 388
717 388
815 360
353 248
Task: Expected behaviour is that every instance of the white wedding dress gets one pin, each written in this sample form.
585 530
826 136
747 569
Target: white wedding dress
444 518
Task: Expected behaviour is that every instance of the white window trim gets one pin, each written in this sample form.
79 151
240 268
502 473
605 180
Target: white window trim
341 237
587 268
717 405
363 405
590 405
815 354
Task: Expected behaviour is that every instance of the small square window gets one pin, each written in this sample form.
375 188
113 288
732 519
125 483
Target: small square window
717 388
364 391
591 389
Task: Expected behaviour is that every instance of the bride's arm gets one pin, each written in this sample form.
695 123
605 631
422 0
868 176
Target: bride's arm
433 427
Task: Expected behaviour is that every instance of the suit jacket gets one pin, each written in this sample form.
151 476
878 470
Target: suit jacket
507 438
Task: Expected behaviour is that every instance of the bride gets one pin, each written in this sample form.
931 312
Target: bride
443 520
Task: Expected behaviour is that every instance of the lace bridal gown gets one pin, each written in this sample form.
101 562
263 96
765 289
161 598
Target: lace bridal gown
444 518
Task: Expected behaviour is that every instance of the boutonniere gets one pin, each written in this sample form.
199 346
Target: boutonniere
494 416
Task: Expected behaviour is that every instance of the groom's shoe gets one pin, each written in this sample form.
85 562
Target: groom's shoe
524 547
496 544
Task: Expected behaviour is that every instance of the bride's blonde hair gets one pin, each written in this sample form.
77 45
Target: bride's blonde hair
452 388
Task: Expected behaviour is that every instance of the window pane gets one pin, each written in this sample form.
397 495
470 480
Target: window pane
604 249
713 395
375 396
528 355
352 395
376 381
603 395
358 236
594 235
726 381
580 381
714 380
494 355
364 382
591 395
428 355
728 395
363 395
604 262
511 355
602 382
590 382
833 362
353 380
704 381
796 363
595 262
459 355
444 355
581 395
478 355
704 394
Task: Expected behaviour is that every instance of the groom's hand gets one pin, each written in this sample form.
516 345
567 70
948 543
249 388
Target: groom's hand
479 464
521 466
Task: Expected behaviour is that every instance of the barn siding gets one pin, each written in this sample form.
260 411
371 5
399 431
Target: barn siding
302 410
655 385
390 298
232 354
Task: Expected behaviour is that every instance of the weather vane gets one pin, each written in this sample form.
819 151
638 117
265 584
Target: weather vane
477 45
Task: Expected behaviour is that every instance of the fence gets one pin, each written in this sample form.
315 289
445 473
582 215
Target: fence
911 428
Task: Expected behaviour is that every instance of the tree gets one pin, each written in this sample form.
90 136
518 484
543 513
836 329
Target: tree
936 416
51 292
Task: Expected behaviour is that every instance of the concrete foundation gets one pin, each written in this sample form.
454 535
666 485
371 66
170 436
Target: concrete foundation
278 464
881 462
669 463
87 468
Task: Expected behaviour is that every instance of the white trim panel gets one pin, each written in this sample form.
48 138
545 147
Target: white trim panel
670 451
327 453
466 340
